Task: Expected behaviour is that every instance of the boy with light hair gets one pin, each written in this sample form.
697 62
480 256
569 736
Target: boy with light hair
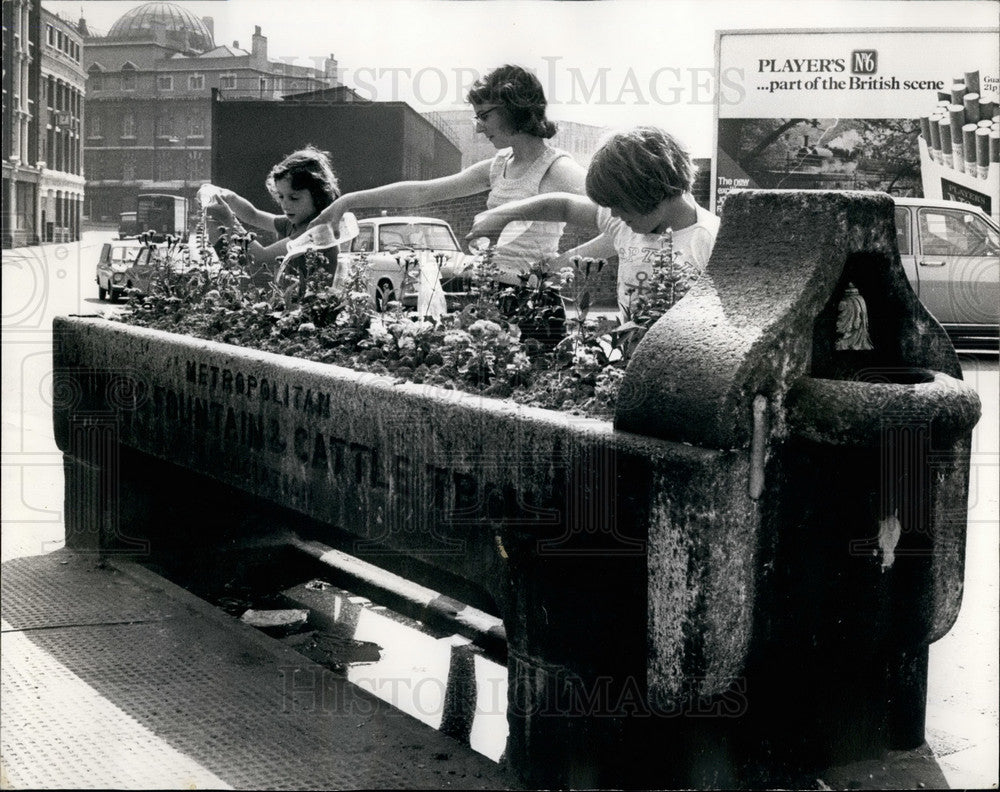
638 189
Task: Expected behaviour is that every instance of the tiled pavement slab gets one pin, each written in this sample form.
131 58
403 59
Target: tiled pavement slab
114 677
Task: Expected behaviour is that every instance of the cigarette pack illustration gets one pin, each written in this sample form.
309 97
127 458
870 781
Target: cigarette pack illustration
960 143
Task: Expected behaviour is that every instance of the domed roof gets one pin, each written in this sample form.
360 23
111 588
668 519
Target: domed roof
183 29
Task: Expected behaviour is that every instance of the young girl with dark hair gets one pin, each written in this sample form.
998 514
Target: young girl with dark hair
302 184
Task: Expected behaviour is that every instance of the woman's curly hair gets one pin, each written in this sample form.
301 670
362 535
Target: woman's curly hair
519 93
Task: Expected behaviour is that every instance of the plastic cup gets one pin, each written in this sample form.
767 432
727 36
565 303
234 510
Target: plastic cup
209 193
322 236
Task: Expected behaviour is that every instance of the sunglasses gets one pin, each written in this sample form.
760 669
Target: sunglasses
480 117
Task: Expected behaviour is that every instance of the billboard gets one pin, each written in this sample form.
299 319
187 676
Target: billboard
909 112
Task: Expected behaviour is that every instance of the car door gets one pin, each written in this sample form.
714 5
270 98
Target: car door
141 272
904 242
104 267
958 265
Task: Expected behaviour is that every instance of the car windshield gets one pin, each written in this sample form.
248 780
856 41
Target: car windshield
418 236
121 255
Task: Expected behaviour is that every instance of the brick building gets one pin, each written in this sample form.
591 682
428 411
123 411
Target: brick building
43 90
63 81
149 98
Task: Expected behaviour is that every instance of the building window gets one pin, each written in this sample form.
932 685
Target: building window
165 127
165 82
227 81
128 76
196 128
94 123
95 80
50 35
263 84
196 82
128 126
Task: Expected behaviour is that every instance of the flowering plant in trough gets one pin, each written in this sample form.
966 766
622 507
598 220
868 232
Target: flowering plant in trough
506 342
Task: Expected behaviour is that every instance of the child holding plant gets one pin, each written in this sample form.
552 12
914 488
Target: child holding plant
303 184
638 189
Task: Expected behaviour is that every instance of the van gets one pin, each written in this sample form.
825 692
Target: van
128 225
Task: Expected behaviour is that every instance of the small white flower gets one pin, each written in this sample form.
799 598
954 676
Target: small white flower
485 327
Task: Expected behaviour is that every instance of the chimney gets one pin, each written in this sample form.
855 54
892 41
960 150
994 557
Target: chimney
236 45
330 70
258 49
210 25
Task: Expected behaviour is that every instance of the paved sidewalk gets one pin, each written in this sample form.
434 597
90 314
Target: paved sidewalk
115 678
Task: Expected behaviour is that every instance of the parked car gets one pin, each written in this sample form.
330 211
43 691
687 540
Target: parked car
114 266
388 242
951 254
128 264
128 225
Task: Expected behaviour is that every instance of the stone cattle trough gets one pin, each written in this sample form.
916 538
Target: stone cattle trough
736 579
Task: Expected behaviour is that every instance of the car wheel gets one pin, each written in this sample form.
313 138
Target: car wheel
384 294
116 295
102 293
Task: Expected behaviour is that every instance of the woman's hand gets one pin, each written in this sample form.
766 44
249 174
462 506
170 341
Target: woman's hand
331 215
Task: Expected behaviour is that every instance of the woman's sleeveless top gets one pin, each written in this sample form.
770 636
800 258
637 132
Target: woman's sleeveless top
539 240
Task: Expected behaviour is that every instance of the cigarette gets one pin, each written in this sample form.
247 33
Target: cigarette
983 153
957 113
936 138
969 147
925 132
986 124
958 90
943 95
972 81
945 134
994 147
986 108
971 102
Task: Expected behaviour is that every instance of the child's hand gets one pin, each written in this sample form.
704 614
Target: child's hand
220 212
488 224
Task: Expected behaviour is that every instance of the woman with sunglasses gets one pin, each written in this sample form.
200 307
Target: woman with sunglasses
509 109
